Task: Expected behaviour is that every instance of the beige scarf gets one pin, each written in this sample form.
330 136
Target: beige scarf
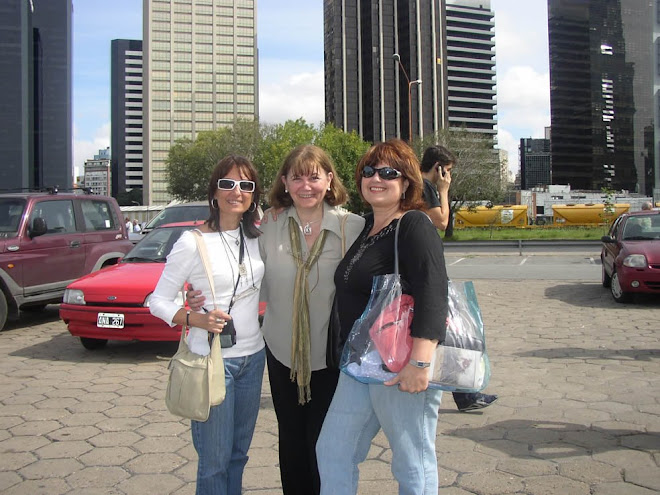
301 369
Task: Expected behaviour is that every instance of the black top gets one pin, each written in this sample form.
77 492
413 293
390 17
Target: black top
430 195
421 265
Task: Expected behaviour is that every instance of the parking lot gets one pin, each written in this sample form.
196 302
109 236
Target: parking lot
579 411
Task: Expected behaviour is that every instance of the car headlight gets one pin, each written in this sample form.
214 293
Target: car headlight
178 300
73 296
635 261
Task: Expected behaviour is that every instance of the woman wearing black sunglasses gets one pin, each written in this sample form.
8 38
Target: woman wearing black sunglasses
389 180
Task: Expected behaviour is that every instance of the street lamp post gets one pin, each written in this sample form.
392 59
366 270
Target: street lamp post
397 58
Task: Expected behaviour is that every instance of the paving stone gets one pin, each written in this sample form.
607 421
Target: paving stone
155 463
150 483
74 433
8 479
621 489
591 472
63 450
527 467
97 476
553 485
496 483
648 478
34 428
50 468
116 439
108 456
51 486
165 444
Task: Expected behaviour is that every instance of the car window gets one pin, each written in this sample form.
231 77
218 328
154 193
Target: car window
11 212
58 215
156 245
175 214
97 215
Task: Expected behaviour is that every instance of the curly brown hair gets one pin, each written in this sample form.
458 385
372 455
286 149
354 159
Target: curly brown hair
397 154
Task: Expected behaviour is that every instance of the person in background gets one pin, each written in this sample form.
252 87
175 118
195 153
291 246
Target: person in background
301 246
389 180
437 163
647 205
129 224
230 235
136 226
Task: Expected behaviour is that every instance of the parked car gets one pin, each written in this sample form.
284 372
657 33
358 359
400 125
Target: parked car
113 304
48 239
183 212
630 255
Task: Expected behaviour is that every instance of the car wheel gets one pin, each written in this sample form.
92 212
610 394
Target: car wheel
3 310
607 280
617 292
93 344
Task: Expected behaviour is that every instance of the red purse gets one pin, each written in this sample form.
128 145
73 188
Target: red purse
390 333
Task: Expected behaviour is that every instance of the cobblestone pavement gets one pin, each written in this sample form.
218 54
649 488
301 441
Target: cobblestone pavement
579 410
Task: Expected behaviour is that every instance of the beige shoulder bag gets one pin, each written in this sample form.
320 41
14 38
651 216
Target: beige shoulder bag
196 382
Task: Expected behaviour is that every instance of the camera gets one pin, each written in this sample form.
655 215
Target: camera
228 335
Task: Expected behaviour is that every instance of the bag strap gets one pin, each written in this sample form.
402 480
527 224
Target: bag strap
396 243
342 226
204 255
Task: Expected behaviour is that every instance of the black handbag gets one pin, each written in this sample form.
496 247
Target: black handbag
335 342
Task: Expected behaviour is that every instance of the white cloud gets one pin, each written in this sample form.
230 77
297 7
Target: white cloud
85 149
291 97
506 141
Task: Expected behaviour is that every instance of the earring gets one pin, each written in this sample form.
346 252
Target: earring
403 195
253 206
328 188
286 190
214 204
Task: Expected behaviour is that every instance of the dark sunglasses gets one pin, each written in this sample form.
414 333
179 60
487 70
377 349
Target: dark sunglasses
230 184
385 173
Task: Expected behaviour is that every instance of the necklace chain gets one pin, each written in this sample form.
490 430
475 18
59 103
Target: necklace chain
307 229
236 241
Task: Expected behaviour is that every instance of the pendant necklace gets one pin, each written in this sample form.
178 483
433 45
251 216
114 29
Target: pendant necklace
232 237
307 229
242 270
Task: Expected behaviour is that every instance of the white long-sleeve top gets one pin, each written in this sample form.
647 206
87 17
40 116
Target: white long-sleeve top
185 265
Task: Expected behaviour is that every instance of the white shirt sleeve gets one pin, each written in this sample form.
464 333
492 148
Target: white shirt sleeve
177 271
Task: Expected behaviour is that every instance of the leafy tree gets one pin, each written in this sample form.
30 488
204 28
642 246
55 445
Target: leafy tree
475 177
278 141
190 163
129 198
346 149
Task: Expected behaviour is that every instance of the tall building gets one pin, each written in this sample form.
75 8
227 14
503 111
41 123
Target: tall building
534 163
35 94
200 73
366 88
98 176
126 118
603 63
471 66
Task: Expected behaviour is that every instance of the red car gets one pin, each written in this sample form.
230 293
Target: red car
113 304
631 255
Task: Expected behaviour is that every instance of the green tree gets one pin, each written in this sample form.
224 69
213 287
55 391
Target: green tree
278 141
190 163
345 149
476 175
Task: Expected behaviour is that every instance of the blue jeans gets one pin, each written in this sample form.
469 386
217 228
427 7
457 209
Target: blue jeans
358 411
223 440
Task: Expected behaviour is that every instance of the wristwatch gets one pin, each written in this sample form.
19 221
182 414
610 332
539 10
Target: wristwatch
419 364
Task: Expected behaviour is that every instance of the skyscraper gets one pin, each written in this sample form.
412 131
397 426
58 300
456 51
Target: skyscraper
35 93
366 89
126 105
200 72
534 163
471 66
603 61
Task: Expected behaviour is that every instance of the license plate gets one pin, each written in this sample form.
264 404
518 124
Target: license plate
110 320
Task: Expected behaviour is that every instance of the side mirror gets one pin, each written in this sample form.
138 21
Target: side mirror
607 239
39 227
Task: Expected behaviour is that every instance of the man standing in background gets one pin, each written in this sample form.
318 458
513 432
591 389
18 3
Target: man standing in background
436 165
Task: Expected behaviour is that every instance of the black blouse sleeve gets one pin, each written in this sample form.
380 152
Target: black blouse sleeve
422 267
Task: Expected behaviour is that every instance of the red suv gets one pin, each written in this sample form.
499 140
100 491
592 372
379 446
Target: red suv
49 239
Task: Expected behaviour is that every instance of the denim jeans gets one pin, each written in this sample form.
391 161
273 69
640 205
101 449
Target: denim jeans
358 411
223 440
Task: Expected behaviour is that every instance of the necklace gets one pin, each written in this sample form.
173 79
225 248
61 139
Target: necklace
307 229
242 271
231 236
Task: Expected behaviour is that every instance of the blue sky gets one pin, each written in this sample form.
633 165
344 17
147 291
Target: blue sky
290 40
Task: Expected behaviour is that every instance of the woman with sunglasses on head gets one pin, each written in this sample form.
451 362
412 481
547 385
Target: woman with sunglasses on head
389 180
301 247
231 239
